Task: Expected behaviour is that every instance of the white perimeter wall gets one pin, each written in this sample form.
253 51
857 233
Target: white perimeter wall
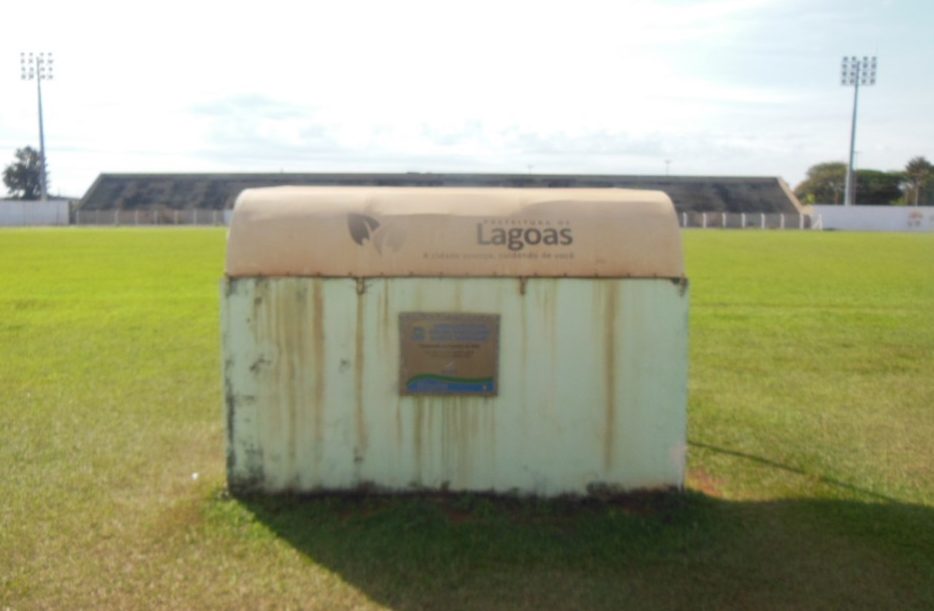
876 218
18 213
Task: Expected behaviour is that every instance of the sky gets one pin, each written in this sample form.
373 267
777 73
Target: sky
718 87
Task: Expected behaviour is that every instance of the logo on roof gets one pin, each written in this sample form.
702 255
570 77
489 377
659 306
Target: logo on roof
361 227
364 228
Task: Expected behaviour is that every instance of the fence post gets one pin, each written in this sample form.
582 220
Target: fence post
781 223
704 220
742 219
195 221
723 219
684 219
800 221
762 220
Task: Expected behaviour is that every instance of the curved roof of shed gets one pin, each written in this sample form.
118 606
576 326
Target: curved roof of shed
218 191
463 232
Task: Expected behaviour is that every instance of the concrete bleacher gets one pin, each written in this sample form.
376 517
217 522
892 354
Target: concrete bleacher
768 195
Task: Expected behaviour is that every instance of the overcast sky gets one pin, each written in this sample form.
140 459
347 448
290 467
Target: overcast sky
722 87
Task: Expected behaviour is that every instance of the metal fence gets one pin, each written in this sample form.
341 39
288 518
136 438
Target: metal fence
151 217
746 220
703 220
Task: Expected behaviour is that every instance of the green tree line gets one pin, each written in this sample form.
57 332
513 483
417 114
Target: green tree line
914 186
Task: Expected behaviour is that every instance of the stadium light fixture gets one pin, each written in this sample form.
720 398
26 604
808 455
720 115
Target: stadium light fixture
855 71
38 66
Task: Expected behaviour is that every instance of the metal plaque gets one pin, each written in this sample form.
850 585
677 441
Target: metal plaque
449 354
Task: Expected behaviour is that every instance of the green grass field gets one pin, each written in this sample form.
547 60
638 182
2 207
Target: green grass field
811 465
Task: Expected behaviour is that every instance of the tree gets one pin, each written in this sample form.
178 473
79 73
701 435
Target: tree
824 184
22 176
918 173
877 188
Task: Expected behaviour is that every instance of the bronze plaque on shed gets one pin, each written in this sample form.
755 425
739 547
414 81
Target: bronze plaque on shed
449 354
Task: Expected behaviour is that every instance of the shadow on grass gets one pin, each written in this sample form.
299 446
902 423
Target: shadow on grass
777 465
644 551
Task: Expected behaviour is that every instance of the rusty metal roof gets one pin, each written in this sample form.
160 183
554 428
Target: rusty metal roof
426 231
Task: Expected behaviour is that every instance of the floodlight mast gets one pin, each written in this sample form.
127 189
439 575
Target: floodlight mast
38 66
855 71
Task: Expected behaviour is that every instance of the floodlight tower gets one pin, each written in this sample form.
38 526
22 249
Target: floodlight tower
855 71
38 66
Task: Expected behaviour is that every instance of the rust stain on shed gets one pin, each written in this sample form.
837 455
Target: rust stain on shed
317 340
385 317
359 418
418 425
609 377
399 437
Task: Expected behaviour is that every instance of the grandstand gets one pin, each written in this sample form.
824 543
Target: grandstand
768 195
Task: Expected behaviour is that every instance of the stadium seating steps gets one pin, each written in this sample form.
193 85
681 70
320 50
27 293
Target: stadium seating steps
219 191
